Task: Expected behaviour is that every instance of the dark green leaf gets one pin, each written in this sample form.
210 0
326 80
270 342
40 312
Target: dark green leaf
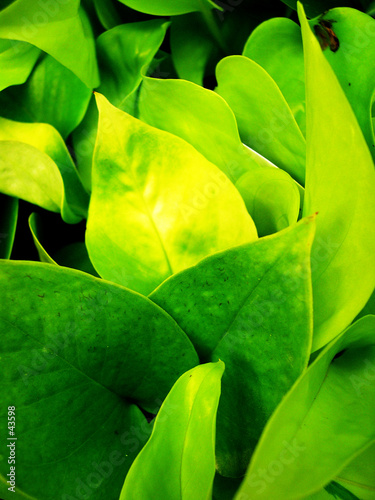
192 46
8 223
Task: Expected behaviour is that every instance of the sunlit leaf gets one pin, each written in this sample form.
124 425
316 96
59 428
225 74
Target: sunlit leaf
123 52
157 206
17 59
35 165
265 121
272 199
340 185
63 31
285 65
352 62
178 461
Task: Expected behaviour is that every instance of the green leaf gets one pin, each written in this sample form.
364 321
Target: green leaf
139 41
251 307
322 424
170 7
265 121
358 475
200 117
157 205
369 307
17 59
74 436
52 94
53 181
353 63
34 222
285 65
8 223
63 31
74 356
272 199
73 255
178 460
107 13
123 52
113 324
192 46
340 185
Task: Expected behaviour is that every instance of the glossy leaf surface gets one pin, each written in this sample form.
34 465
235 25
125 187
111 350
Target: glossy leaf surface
200 117
358 475
265 121
63 31
248 306
285 65
17 60
179 459
272 199
110 337
340 185
353 64
323 422
35 165
123 52
158 206
52 94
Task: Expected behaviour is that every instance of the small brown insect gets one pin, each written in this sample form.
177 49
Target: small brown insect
326 36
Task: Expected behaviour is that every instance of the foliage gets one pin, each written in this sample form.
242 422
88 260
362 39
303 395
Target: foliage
187 250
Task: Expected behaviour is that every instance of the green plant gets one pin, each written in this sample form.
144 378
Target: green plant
202 322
